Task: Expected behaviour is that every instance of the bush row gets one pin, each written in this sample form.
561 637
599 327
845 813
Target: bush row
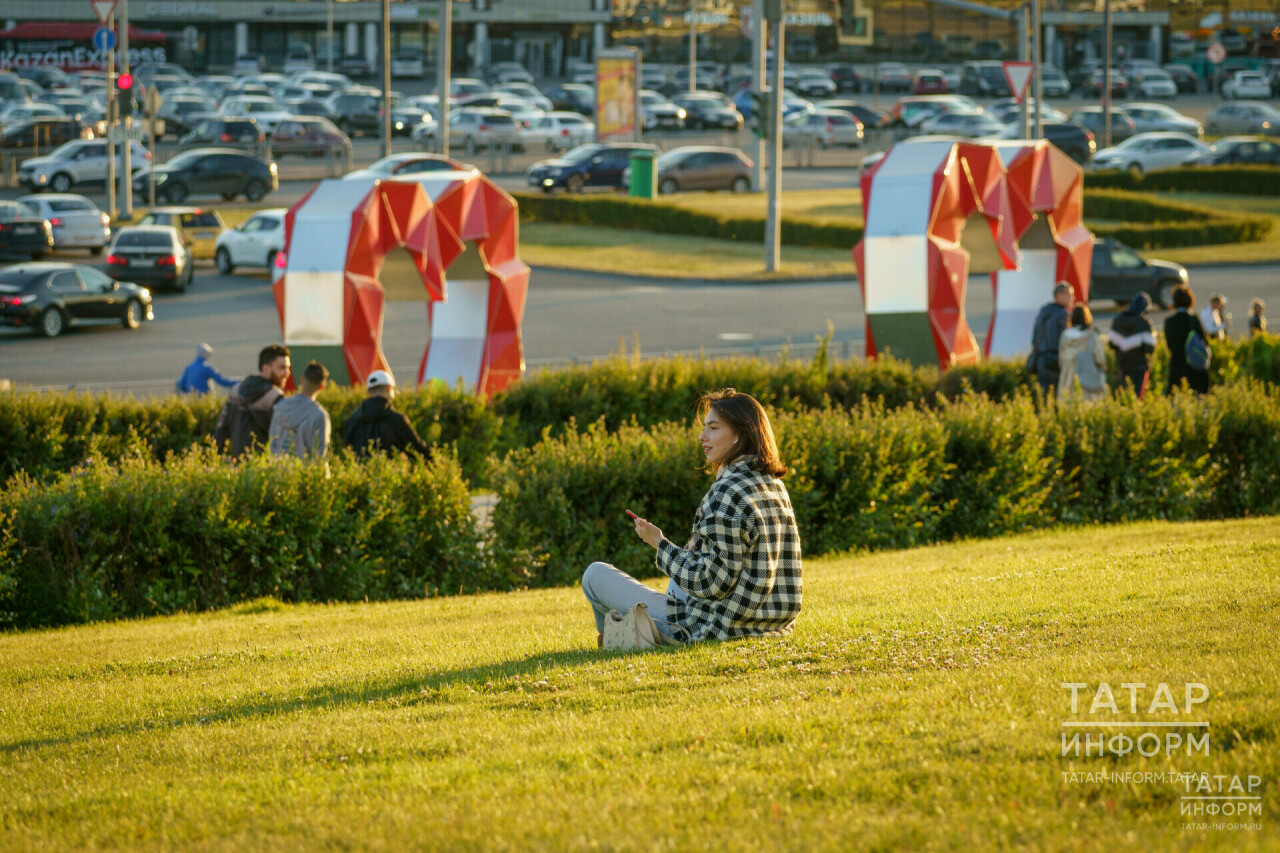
45 434
144 538
1233 180
1141 220
874 478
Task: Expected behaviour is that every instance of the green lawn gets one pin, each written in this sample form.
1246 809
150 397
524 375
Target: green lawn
917 706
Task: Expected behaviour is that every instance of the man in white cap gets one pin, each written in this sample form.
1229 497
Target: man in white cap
195 378
376 426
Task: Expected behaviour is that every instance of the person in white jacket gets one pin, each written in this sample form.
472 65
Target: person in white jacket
299 425
1082 357
1213 319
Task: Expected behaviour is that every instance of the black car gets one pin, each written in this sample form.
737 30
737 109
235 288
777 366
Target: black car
703 111
596 164
152 254
354 65
848 79
1120 273
1240 149
23 231
871 119
1076 142
360 112
1183 77
224 171
211 129
573 97
50 296
1090 118
42 134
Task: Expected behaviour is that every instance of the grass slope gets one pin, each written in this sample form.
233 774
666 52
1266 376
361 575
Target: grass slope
917 706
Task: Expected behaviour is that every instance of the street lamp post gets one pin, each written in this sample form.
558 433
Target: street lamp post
329 31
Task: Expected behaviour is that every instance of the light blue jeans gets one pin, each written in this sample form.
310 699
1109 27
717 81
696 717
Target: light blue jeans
609 588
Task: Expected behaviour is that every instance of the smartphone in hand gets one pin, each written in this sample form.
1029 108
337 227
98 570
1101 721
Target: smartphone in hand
634 517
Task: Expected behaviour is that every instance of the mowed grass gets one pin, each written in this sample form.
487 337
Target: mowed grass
917 706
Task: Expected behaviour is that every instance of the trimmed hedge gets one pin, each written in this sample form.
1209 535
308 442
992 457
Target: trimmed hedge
873 478
45 434
1233 180
1142 220
106 542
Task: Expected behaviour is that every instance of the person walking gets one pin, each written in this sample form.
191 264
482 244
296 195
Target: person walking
377 426
197 375
1177 327
1047 331
1213 319
245 420
299 425
740 573
1133 340
1257 318
1083 357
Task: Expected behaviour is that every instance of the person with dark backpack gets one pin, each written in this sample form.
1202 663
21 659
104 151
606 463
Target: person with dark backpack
1188 344
376 426
1134 341
1050 323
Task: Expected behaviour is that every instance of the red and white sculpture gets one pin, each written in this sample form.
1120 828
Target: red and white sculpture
913 268
460 234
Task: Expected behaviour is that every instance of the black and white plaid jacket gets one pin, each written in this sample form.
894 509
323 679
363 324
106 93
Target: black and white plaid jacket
741 569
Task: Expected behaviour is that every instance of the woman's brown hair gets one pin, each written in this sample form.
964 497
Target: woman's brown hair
747 418
1081 317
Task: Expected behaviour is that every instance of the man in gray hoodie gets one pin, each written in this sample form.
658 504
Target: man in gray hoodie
299 425
246 416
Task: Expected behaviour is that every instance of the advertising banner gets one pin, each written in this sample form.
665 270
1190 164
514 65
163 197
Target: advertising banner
617 102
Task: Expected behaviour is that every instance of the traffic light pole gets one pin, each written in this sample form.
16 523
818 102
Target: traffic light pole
757 85
773 214
126 179
111 121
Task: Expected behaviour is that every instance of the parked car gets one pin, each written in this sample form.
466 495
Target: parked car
307 136
1097 81
969 125
359 111
474 129
702 167
659 113
1243 117
1183 77
50 296
222 171
413 163
181 113
510 72
1053 83
1153 117
355 66
1153 83
23 231
560 131
1247 84
76 221
41 134
81 161
708 110
1073 140
253 243
1009 110
1119 273
984 79
989 49
848 78
409 62
1239 149
576 97
814 83
594 165
929 81
223 132
1144 152
871 119
200 227
15 113
299 58
527 92
156 255
893 77
262 109
914 110
824 128
1122 127
250 63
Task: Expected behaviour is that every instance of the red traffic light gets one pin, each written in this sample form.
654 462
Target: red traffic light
125 81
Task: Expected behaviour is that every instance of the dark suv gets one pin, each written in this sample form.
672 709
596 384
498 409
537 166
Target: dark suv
1120 273
223 132
42 134
223 171
596 164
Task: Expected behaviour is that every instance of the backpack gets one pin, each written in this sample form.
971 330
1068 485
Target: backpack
1197 351
1091 379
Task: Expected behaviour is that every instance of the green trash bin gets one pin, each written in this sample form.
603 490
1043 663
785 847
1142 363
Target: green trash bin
644 175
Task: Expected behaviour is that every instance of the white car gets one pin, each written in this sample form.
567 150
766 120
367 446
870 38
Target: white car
299 59
1246 84
331 79
17 113
408 62
263 110
1154 83
1151 117
253 243
510 72
426 132
814 83
1143 152
80 161
968 125
75 220
824 128
560 131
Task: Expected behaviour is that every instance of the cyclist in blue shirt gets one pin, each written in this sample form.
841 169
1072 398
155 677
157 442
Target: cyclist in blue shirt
195 378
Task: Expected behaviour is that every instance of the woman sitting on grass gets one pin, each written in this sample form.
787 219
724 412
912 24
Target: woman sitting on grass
739 575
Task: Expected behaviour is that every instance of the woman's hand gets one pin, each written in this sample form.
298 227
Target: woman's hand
648 533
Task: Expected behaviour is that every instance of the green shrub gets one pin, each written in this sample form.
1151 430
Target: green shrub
1235 180
105 542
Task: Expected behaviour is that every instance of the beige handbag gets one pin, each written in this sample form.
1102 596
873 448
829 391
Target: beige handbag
635 629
